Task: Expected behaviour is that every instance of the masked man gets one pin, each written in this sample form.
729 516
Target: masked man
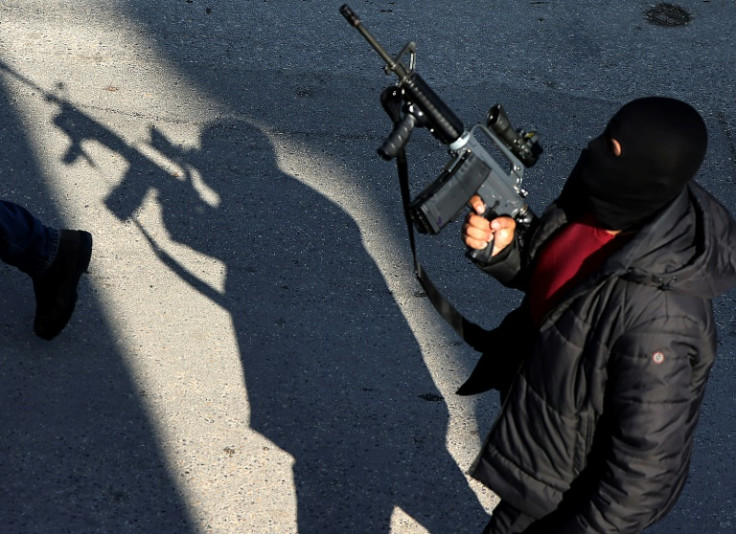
603 366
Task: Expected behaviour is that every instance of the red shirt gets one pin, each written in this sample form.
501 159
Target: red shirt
570 256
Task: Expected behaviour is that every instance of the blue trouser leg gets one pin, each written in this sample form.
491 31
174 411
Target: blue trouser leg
25 242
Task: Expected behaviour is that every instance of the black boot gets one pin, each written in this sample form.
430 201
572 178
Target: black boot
56 287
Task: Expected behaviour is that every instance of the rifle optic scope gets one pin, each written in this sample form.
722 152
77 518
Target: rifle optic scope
525 146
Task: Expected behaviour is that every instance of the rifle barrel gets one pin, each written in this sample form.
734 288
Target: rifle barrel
354 21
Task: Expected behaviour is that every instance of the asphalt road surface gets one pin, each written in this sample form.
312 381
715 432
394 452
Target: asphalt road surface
251 352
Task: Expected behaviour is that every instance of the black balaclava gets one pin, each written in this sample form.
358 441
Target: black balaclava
663 143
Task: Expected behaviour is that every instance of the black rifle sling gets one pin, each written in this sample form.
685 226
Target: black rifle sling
467 330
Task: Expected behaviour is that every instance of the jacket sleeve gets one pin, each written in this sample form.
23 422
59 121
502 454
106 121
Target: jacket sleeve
510 265
645 437
505 265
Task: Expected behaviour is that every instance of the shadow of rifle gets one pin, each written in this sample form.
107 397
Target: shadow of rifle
128 196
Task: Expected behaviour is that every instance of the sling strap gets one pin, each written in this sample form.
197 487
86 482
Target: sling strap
470 332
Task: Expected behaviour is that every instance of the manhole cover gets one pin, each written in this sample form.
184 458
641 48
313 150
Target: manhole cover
664 14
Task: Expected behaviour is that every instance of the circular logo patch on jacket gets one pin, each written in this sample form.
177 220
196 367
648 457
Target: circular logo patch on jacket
658 357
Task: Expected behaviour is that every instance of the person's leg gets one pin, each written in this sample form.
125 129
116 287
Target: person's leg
25 242
54 259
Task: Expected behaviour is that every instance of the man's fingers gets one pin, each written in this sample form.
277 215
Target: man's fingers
479 231
503 223
477 244
503 230
477 204
479 222
474 232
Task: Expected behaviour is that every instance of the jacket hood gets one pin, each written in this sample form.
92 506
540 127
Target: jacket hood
690 247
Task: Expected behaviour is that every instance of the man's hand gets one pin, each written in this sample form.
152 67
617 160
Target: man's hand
479 231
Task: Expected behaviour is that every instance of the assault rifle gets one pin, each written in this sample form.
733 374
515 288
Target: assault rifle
471 170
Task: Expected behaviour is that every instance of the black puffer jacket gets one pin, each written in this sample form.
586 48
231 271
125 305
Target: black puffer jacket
598 424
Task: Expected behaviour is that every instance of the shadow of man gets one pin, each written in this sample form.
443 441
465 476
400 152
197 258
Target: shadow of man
333 374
